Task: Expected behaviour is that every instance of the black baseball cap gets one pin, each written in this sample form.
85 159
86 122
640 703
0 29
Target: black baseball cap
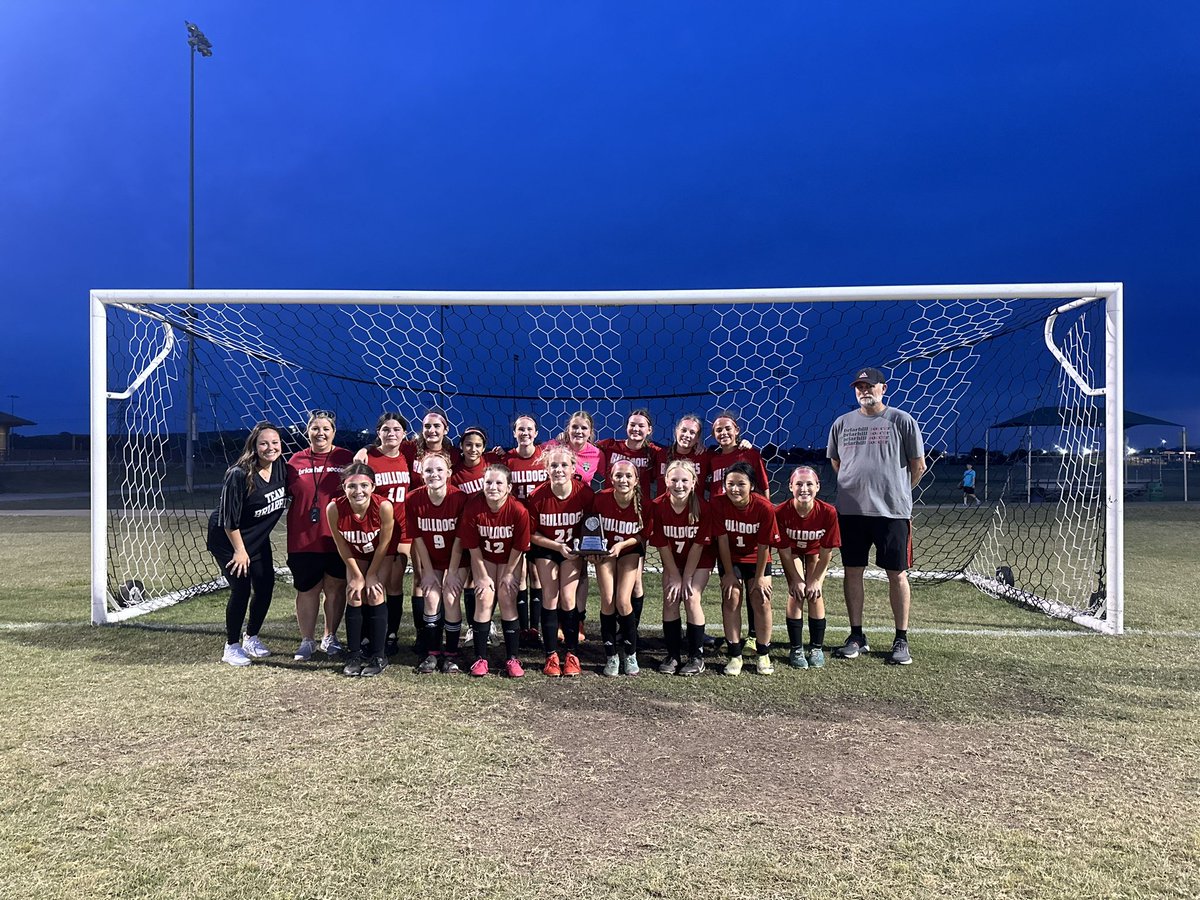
869 375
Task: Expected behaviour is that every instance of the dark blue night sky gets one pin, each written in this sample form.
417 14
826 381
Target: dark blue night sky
598 145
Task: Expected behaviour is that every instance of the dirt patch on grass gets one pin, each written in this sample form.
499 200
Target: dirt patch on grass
619 764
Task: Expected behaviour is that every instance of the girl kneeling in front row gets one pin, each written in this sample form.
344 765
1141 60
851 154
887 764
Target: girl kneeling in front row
494 530
362 523
683 528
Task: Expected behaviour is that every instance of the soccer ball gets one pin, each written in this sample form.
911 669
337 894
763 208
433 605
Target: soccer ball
131 593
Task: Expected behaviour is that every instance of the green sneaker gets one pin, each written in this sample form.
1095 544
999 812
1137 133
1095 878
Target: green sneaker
750 646
733 667
816 657
612 666
796 658
764 665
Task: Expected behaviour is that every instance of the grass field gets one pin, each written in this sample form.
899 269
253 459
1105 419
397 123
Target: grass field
1016 758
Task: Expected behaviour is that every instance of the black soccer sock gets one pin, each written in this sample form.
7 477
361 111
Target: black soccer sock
673 636
431 639
468 602
376 621
550 631
570 625
354 628
795 629
453 631
395 612
857 631
523 608
816 632
629 633
437 629
418 614
695 637
512 636
750 632
734 648
481 630
535 608
902 634
639 603
608 632
764 648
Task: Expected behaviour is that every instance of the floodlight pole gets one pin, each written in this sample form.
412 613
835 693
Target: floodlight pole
198 44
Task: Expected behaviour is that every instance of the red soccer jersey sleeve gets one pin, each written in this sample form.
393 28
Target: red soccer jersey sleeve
719 463
495 533
673 533
435 525
748 528
806 536
558 519
621 524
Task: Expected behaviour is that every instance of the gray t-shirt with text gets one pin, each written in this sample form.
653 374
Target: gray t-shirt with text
873 454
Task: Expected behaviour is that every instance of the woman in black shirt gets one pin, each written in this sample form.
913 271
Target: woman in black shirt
253 498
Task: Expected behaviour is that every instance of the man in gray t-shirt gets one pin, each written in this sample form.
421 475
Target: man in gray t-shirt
879 457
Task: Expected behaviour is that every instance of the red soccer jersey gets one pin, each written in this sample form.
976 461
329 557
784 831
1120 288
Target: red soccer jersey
436 525
313 479
806 536
646 460
495 534
673 531
559 519
698 458
360 532
392 477
621 524
527 474
748 528
469 479
413 455
719 462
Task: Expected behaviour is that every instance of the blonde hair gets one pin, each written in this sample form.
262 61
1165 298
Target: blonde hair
557 448
693 500
565 437
699 448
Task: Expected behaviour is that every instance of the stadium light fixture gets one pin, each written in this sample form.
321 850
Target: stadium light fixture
199 43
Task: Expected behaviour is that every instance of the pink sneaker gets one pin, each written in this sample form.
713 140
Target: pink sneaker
479 668
513 668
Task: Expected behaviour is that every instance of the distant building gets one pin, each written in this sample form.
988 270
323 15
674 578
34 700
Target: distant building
7 424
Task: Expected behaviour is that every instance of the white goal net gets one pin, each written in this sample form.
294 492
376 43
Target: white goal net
1022 382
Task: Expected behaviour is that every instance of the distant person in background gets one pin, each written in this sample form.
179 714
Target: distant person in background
253 496
968 486
314 478
879 457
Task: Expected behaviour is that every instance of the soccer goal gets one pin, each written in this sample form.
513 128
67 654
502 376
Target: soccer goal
1023 382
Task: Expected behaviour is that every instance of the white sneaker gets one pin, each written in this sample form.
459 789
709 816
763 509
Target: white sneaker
330 645
235 655
307 648
495 636
255 648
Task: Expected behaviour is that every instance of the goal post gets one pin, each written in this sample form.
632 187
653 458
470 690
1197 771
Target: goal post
961 359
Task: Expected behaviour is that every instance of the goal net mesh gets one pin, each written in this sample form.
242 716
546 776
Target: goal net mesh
976 374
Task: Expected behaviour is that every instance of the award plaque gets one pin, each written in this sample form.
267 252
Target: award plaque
592 539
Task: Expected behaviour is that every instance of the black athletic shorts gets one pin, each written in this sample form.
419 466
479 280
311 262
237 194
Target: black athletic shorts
891 538
308 569
536 551
969 490
745 571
